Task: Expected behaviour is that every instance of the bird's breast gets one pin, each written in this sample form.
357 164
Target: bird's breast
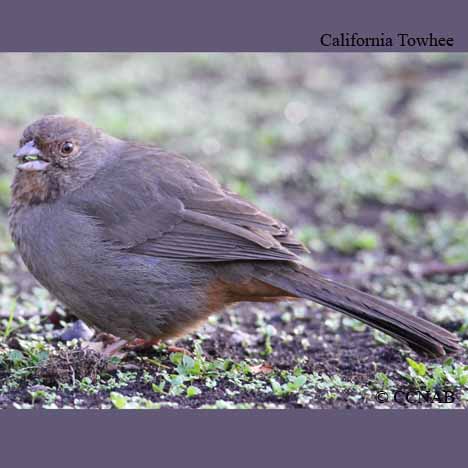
56 245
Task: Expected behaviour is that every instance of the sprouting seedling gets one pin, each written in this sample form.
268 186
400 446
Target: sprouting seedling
8 328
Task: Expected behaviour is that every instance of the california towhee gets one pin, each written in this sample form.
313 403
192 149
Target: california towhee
142 243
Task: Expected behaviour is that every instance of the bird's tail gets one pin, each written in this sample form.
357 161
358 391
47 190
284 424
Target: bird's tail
419 334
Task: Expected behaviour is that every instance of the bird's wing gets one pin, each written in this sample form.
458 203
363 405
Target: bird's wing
153 203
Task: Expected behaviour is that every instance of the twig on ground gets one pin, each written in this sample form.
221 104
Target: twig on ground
435 268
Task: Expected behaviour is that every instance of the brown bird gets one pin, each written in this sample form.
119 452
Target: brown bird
145 244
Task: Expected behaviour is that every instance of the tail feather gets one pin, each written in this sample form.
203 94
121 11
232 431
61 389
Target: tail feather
419 334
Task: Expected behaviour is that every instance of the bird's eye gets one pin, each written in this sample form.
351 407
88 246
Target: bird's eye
67 148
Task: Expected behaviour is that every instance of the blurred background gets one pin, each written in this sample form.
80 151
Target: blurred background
365 155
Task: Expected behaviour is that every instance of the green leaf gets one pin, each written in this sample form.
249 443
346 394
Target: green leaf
383 380
418 367
158 388
176 358
118 400
193 391
188 362
15 356
448 362
276 387
299 381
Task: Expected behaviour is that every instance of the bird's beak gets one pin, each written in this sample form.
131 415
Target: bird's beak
30 158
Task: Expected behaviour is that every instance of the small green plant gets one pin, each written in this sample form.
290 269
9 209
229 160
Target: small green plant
293 385
123 402
429 377
8 326
192 391
382 381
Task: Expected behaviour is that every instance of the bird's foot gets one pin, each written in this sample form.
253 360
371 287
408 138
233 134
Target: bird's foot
113 345
106 338
178 349
114 348
139 344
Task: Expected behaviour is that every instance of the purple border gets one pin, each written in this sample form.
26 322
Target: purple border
233 438
213 25
228 438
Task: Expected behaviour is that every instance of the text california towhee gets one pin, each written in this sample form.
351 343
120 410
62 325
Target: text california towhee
142 243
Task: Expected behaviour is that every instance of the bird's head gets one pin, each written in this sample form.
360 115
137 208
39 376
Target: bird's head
56 154
54 142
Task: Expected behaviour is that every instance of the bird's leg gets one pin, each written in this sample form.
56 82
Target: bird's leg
139 345
106 338
178 349
117 344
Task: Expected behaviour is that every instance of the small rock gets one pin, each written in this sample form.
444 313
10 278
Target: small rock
76 331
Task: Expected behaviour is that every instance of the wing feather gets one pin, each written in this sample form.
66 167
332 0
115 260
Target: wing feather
154 203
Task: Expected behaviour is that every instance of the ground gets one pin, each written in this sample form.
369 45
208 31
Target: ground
365 156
